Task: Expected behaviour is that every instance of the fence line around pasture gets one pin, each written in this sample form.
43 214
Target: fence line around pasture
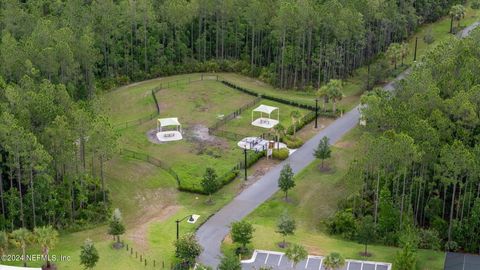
324 113
215 129
152 160
154 91
233 115
147 263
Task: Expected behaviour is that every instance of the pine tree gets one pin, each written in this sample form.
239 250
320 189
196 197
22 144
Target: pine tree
88 255
116 227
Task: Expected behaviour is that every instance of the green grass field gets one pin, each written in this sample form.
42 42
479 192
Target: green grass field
312 201
242 124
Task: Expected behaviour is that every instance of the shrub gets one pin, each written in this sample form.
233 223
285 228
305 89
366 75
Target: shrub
343 223
429 239
281 154
227 178
429 38
252 158
476 4
292 142
222 180
451 246
379 71
230 262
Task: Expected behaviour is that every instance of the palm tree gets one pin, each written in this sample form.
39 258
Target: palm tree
333 261
21 238
3 242
335 92
457 13
279 129
296 254
322 94
404 51
47 238
295 115
393 51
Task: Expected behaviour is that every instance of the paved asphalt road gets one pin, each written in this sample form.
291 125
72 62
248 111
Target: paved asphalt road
212 232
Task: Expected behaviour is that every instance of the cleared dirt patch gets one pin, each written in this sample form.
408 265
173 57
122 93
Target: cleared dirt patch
138 232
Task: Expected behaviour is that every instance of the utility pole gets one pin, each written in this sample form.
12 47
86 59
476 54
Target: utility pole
316 113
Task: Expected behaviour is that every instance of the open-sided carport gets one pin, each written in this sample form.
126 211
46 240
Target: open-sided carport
278 261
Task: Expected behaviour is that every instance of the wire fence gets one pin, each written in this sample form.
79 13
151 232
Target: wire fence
154 91
215 129
233 115
152 160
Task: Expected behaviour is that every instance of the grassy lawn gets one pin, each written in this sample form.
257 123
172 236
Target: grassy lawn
312 201
242 124
197 105
135 100
440 30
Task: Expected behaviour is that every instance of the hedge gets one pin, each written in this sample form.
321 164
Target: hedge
276 99
253 158
280 154
292 142
222 181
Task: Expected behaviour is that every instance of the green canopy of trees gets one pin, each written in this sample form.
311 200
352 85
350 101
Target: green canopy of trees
289 43
420 156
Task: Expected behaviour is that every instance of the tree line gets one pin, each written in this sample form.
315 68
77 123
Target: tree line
420 162
289 43
52 155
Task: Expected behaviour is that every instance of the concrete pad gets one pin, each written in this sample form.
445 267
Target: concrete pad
265 123
169 136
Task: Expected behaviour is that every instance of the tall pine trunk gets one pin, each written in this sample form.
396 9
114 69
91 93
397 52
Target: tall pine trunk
452 207
33 198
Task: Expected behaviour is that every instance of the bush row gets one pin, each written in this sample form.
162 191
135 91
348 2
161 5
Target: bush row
292 142
280 154
273 98
228 177
222 180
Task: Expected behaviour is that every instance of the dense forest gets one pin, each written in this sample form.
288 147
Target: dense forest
290 43
57 55
420 167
